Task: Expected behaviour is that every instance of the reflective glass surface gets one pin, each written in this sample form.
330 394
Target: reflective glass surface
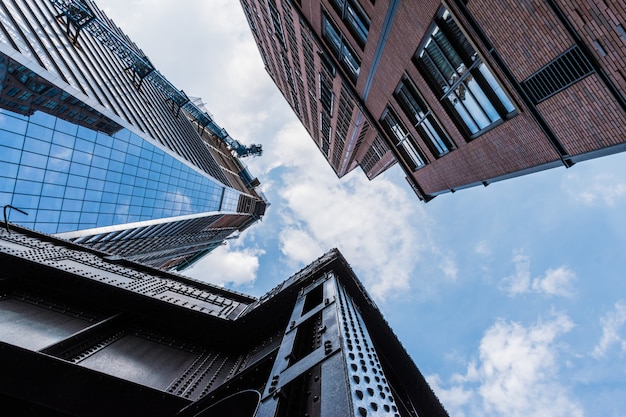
68 177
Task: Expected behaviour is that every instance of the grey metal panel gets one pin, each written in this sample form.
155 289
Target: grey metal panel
135 359
35 327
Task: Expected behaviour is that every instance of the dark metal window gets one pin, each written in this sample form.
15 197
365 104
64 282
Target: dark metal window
563 71
403 140
422 118
326 94
462 82
339 45
354 17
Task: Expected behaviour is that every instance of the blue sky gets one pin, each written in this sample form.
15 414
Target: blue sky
511 299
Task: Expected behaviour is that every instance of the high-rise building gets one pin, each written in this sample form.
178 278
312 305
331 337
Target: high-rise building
98 147
458 93
84 333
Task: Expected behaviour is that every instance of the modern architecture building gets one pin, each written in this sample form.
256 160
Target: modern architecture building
459 93
86 333
98 147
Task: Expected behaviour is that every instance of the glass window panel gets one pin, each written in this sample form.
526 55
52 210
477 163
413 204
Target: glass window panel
53 177
7 185
46 227
105 219
91 206
115 165
11 140
74 193
28 187
482 99
51 203
48 216
8 170
88 218
36 145
465 116
11 124
53 190
95 184
63 139
126 189
135 151
107 208
10 155
61 152
66 127
31 173
84 145
497 89
93 195
33 159
89 134
26 202
42 119
81 157
70 216
97 173
79 169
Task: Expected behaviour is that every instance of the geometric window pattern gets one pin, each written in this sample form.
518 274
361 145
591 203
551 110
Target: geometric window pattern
459 78
339 45
354 17
422 118
68 177
405 143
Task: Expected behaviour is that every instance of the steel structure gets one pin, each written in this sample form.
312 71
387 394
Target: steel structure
79 16
83 333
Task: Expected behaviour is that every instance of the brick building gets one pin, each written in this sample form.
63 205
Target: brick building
459 93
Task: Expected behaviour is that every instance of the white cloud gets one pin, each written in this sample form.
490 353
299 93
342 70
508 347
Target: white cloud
519 282
612 324
601 189
557 282
226 265
299 246
372 223
482 248
516 374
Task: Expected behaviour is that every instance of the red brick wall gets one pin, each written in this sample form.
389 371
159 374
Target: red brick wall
585 117
599 20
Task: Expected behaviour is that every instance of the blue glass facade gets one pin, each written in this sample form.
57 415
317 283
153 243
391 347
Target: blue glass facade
68 177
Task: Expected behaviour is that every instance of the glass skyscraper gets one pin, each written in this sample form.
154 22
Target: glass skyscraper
109 154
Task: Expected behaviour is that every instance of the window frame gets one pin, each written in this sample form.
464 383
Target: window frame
355 19
426 124
340 47
404 142
486 90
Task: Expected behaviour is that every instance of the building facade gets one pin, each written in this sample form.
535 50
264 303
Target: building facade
459 93
98 147
85 333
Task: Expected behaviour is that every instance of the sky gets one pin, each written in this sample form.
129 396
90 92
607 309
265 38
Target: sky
511 298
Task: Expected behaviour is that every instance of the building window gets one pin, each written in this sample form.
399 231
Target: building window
422 118
354 17
326 94
403 140
339 45
462 82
